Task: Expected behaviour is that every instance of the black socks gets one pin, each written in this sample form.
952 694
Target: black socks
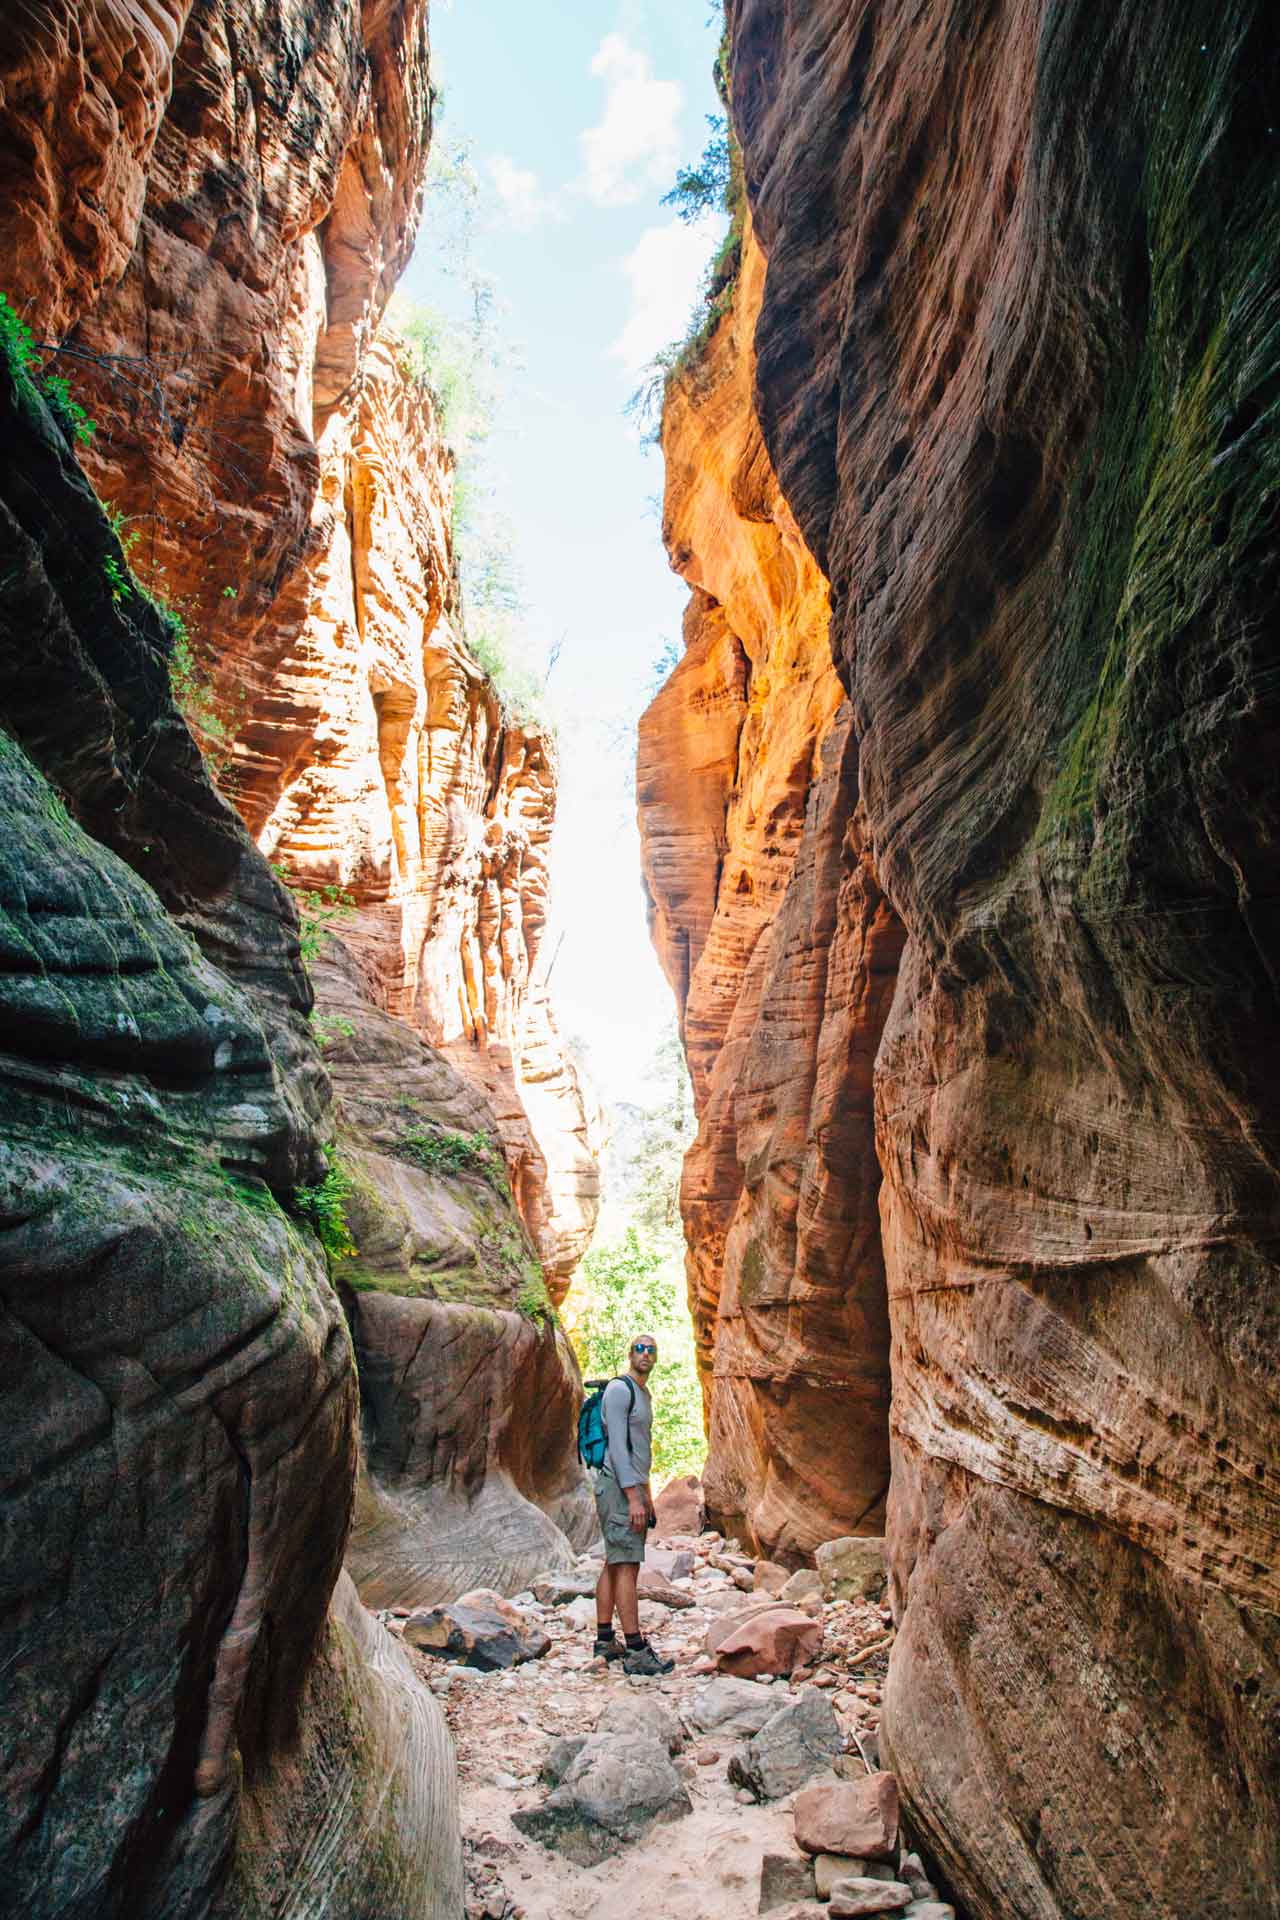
634 1642
604 1633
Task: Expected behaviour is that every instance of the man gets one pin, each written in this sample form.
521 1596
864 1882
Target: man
625 1507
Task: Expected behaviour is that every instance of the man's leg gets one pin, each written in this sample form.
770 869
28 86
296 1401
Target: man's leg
605 1601
625 1597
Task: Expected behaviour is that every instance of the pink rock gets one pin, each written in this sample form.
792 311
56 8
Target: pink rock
858 1817
773 1639
679 1507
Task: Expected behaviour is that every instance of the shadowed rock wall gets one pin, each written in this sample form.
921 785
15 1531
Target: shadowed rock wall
178 1389
1017 361
782 953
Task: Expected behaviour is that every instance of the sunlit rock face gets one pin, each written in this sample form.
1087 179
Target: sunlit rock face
1016 348
286 489
430 809
782 954
189 1723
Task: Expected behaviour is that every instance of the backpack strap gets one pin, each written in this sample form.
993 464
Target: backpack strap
630 1386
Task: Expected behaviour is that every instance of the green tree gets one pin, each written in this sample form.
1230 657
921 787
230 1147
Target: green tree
631 1287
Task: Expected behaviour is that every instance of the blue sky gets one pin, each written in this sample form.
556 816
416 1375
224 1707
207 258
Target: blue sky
576 116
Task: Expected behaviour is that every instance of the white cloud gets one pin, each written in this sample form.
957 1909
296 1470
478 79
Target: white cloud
665 269
637 142
523 201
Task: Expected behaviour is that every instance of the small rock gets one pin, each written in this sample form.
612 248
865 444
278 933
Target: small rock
774 1639
507 1781
784 1877
852 1568
653 1585
911 1871
674 1563
789 1749
856 1817
707 1756
801 1586
744 1797
769 1577
580 1613
852 1897
742 1580
929 1910
826 1677
558 1589
828 1868
560 1757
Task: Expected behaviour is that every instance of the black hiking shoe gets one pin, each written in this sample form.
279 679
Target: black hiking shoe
646 1660
608 1650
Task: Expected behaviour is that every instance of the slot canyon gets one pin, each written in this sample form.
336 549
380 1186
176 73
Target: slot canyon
954 823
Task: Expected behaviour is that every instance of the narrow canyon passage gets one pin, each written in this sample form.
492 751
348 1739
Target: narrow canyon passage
467 934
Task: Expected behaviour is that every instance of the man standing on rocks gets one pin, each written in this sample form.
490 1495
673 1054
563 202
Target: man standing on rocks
625 1507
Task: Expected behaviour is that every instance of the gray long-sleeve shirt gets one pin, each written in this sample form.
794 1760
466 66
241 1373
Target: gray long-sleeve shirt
629 1468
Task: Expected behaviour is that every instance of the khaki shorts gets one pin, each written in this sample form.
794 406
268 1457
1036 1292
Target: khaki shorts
623 1546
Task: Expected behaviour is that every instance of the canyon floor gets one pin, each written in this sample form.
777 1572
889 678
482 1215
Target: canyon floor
704 1865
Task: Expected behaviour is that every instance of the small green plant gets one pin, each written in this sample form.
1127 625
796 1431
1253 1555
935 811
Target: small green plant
320 910
192 690
72 415
446 1152
534 1301
324 1208
229 593
17 342
704 187
329 1027
117 579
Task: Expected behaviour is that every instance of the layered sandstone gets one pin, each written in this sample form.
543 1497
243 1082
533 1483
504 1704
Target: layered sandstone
415 794
782 953
1016 353
189 1726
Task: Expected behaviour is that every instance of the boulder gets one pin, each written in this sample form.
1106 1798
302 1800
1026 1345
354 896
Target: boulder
858 1896
770 1577
478 1636
653 1585
774 1639
791 1746
614 1789
802 1585
560 1757
735 1707
784 1879
855 1817
828 1868
679 1507
636 1712
852 1568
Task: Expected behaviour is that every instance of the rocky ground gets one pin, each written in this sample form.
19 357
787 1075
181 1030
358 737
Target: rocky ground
586 1792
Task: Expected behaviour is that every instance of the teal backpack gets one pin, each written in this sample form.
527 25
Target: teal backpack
593 1444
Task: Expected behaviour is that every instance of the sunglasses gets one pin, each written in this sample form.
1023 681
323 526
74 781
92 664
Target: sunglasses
643 1346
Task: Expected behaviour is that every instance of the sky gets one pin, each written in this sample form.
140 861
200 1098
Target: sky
576 115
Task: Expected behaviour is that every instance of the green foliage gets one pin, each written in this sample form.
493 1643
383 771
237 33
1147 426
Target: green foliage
445 1152
633 1280
72 415
704 187
534 1301
714 184
320 910
192 689
632 1286
664 666
324 1208
17 342
328 1027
